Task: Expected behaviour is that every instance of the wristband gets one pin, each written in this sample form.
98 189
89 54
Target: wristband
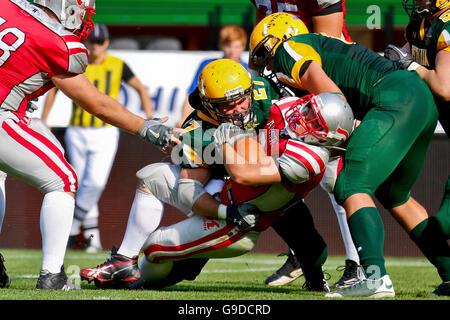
222 212
413 66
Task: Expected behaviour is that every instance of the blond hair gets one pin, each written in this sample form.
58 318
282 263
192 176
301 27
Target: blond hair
232 33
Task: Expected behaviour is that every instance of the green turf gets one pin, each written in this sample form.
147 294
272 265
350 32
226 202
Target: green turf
240 278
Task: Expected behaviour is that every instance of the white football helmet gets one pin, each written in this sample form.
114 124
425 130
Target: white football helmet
74 15
324 119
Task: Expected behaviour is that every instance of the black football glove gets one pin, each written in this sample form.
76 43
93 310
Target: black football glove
244 215
401 55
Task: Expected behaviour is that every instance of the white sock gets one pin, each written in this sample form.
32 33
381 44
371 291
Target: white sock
2 198
145 215
55 221
350 249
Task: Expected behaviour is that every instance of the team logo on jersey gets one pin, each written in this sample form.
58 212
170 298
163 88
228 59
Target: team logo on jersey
209 223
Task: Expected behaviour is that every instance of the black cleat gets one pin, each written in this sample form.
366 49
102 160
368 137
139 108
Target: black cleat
118 272
289 271
315 279
350 277
5 280
442 290
54 281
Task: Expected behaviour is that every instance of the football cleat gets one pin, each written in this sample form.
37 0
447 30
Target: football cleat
351 275
289 271
5 280
379 288
55 281
315 279
118 272
442 290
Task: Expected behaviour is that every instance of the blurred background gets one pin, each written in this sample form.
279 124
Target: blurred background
163 42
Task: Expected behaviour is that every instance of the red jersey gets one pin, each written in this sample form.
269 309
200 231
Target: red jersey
304 9
33 49
302 167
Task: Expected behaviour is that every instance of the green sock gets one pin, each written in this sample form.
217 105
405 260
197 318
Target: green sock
431 241
367 231
443 215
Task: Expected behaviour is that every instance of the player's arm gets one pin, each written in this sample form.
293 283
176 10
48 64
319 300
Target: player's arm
247 169
438 79
146 101
48 104
243 215
78 88
314 79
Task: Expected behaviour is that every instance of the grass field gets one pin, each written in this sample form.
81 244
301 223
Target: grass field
240 278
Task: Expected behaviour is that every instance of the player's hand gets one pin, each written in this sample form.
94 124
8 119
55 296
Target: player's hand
228 133
31 106
401 55
244 215
155 132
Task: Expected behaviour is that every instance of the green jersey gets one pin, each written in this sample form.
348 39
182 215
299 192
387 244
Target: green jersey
197 139
427 39
354 68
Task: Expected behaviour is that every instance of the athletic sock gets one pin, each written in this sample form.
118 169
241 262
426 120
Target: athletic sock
443 215
367 231
55 222
350 249
431 241
145 215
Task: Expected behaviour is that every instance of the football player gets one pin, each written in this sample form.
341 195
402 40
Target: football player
327 16
298 136
374 164
41 49
225 94
319 16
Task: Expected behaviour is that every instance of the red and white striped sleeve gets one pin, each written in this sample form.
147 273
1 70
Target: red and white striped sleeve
301 162
78 54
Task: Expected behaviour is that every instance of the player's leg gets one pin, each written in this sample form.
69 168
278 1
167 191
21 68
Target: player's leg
375 149
179 252
296 227
3 176
77 155
351 269
32 153
425 231
102 144
443 215
5 280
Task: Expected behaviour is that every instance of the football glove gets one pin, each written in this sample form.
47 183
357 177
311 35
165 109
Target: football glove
402 56
244 215
155 132
229 133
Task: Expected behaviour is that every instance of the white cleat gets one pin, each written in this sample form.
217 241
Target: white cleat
379 288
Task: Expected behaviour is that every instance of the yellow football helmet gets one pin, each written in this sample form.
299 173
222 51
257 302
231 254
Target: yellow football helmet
224 81
419 9
268 35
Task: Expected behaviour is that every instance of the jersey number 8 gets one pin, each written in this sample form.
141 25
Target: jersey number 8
6 48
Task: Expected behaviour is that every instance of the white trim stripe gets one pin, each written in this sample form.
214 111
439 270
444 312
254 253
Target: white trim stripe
49 152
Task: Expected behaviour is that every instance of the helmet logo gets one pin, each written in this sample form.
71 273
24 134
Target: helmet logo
232 93
343 132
